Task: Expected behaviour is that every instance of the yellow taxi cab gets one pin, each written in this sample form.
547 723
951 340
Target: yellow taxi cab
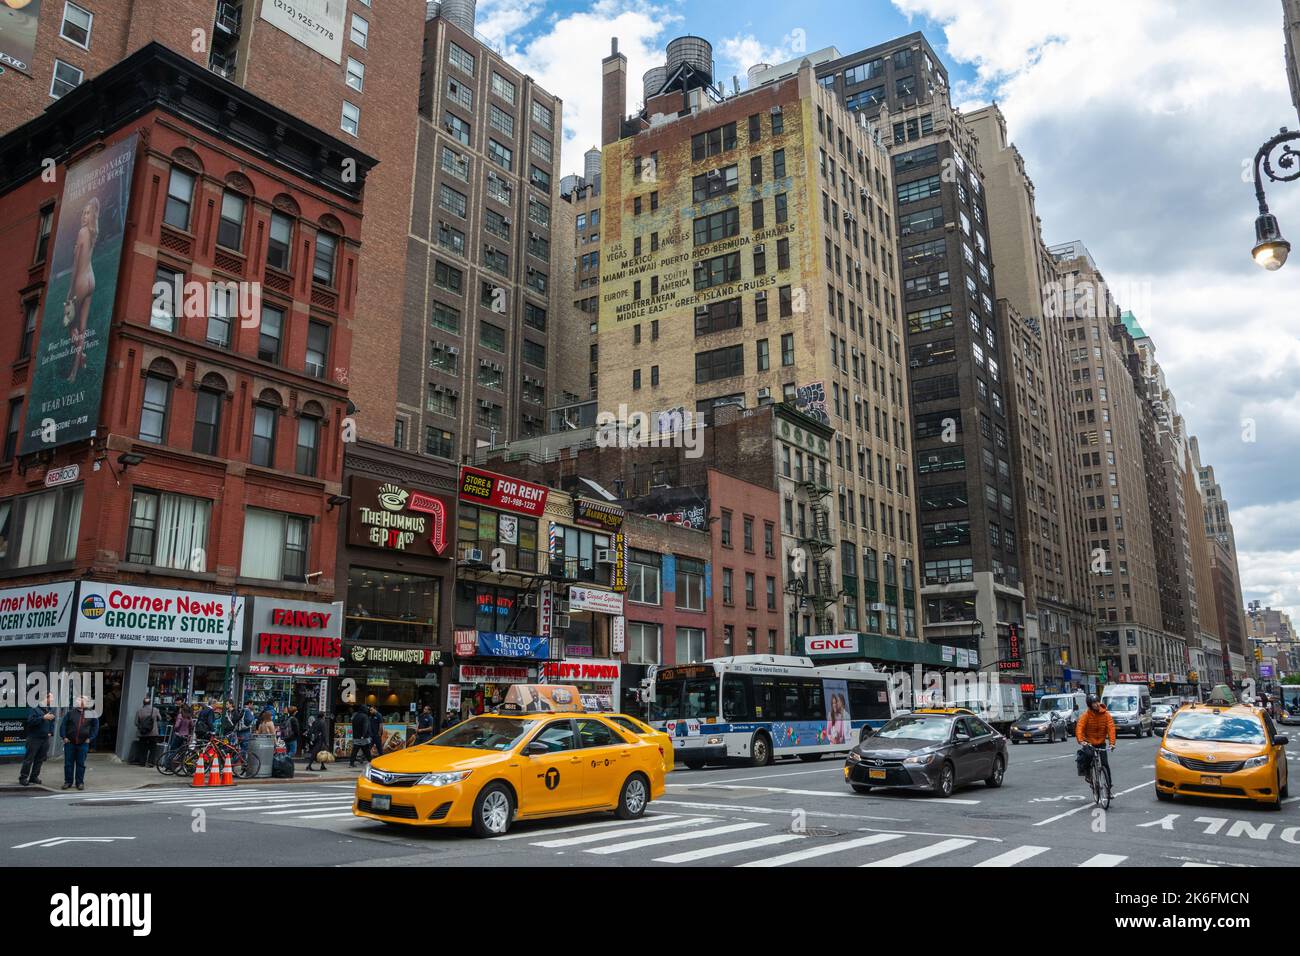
642 729
1232 752
540 755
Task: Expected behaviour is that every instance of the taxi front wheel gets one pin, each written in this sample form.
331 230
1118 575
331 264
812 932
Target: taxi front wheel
494 809
634 797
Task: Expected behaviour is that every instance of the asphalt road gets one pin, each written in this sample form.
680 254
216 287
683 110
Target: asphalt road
789 814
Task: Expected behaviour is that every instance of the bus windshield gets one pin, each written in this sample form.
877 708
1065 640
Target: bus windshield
696 698
1291 697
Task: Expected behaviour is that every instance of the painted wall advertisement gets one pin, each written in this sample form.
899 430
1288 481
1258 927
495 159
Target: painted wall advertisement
68 372
36 614
153 617
18 22
314 23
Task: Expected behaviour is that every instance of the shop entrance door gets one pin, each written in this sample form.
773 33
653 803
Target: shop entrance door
110 713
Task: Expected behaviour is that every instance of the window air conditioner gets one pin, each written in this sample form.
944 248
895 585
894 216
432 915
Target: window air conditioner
530 600
764 393
472 555
560 621
605 556
562 606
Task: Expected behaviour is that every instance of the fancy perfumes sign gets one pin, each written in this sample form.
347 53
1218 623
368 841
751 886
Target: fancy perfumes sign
389 516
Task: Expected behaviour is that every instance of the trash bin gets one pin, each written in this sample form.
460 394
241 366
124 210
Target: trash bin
263 745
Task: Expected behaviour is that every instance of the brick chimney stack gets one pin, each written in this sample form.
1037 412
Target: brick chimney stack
613 94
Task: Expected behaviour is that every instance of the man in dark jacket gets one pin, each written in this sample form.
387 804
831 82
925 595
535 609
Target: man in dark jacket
291 730
376 733
77 731
360 732
40 727
148 725
205 721
424 728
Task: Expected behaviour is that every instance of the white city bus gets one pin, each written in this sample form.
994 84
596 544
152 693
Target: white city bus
761 706
1290 703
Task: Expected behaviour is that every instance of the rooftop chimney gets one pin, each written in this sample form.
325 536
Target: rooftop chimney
613 94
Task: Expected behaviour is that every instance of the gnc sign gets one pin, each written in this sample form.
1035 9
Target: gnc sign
828 644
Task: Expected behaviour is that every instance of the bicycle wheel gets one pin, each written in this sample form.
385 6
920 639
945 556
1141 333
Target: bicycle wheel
168 762
246 767
1094 779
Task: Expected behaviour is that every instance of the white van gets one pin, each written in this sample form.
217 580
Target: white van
1069 707
1130 707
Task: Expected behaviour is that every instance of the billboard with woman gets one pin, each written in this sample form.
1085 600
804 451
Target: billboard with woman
68 372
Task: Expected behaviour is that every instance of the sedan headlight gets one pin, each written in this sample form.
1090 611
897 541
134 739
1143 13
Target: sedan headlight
854 757
1170 756
921 760
442 779
1255 763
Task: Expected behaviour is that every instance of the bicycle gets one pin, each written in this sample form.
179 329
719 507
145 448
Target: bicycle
1101 795
244 765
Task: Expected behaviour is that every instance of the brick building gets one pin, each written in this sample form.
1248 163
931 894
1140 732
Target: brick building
205 273
357 76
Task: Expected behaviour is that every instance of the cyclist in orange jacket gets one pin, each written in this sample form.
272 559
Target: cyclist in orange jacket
1093 729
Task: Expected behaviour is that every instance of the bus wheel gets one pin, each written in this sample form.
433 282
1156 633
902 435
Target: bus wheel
760 750
810 758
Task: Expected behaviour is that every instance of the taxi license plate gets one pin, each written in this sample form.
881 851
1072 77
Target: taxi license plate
1211 781
381 801
875 775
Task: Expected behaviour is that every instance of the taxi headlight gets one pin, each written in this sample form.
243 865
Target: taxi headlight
442 779
1170 756
854 756
1255 762
714 740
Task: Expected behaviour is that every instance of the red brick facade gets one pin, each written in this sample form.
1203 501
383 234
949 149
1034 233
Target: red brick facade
737 503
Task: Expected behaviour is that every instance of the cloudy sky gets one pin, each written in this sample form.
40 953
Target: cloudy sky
1138 122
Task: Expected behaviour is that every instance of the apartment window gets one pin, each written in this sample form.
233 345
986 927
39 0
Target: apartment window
540 214
13 428
445 317
275 546
534 317
154 410
714 183
724 527
717 316
279 241
448 277
717 270
455 164
451 238
489 416
76 25
270 332
778 122
43 235
690 645
728 597
713 141
643 643
439 443
207 419
763 355
539 147
457 128
749 590
40 528
787 349
778 164
66 79
262 448
360 31
351 119
30 310
492 336
719 225
460 59
453 201
180 197
783 254
318 345
690 585
305 457
543 116
356 75
918 189
322 269
503 88
535 353
539 178
719 364
167 530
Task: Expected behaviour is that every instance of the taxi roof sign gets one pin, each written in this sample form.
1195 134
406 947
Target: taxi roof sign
542 699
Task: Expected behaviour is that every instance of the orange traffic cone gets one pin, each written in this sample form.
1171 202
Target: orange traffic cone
199 779
227 775
214 770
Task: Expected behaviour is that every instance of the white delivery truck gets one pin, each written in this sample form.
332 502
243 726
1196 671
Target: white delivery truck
998 704
1069 706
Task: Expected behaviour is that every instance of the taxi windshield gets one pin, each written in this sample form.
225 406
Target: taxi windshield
485 733
1225 728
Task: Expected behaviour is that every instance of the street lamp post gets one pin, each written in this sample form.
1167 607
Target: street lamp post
1271 250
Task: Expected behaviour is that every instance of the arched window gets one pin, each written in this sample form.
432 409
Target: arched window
307 456
156 406
207 414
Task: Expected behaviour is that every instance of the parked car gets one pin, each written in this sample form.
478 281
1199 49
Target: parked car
1035 725
933 749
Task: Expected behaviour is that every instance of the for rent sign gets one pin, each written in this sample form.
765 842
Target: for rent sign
498 491
154 617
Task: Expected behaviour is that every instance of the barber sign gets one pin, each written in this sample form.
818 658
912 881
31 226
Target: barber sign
831 644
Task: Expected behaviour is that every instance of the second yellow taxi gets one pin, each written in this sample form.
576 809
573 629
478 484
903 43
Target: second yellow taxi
1231 752
540 756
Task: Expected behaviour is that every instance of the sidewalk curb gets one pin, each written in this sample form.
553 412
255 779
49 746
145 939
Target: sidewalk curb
167 782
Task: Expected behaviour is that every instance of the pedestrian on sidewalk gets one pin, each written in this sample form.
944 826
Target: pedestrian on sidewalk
376 732
40 728
360 735
316 741
206 722
244 728
147 724
182 728
291 730
77 731
266 723
424 728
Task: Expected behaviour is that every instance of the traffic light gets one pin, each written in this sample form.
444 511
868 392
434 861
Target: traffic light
1259 654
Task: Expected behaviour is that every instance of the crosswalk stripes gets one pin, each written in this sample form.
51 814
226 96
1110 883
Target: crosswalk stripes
690 856
1012 857
674 838
650 817
922 853
824 849
597 837
1104 859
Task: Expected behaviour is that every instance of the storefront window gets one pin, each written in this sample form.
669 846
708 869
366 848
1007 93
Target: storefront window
388 607
488 530
494 609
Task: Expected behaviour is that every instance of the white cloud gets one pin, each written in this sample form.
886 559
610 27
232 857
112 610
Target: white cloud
1138 122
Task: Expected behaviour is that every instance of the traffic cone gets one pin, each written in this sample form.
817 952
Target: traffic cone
214 771
199 779
227 775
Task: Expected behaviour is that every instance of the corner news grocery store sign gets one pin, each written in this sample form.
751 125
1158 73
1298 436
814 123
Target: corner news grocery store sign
154 617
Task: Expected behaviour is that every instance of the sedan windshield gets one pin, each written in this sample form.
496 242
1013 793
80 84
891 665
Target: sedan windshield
485 733
1225 728
921 727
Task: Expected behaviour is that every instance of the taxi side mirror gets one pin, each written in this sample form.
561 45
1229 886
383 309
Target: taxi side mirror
536 749
1282 741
